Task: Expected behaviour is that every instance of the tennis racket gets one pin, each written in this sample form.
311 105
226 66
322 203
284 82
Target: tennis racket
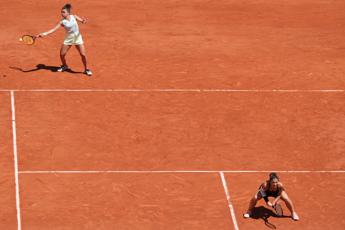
28 39
278 209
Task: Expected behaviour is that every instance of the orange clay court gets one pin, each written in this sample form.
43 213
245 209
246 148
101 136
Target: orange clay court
190 106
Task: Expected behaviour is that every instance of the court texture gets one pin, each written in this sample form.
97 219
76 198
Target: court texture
191 105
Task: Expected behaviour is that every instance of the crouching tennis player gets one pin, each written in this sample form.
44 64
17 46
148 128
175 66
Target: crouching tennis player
73 37
272 188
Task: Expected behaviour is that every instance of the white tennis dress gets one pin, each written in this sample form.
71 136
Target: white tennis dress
73 36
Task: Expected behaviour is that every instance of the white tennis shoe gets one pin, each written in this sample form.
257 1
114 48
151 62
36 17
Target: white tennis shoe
88 72
63 68
295 216
246 215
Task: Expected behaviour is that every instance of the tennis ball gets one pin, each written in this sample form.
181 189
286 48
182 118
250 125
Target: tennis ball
20 39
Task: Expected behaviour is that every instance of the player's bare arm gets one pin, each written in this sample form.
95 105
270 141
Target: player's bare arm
50 31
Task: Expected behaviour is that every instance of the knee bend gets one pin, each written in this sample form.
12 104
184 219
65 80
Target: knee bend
286 199
255 199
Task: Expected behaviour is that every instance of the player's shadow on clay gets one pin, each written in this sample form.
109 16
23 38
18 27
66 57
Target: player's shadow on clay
264 214
44 67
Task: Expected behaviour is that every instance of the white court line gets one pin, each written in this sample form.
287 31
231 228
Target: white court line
227 193
171 171
15 154
184 90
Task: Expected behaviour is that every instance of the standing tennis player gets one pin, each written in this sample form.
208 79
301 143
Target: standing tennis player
272 188
73 37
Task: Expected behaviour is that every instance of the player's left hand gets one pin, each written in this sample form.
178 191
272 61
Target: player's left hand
270 204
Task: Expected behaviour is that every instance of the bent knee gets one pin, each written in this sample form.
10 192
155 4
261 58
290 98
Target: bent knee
256 197
284 194
285 198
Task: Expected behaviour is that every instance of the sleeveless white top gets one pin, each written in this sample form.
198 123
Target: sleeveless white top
71 25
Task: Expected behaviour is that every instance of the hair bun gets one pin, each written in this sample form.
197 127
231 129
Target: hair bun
273 175
67 7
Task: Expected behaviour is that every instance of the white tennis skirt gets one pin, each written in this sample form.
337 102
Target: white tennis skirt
73 39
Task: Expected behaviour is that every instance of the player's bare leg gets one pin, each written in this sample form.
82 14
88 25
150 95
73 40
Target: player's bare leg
252 204
289 205
63 51
81 49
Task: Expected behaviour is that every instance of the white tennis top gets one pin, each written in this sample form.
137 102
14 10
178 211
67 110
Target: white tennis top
70 25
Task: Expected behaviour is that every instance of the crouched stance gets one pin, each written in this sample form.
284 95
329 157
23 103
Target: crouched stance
272 188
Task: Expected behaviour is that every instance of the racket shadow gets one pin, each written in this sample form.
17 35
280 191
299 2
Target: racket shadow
44 67
264 214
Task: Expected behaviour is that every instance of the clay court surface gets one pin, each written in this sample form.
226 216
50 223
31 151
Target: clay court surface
191 104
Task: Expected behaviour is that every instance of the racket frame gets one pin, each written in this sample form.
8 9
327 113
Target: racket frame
31 36
280 211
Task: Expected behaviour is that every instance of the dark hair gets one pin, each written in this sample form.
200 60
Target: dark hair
273 176
67 7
